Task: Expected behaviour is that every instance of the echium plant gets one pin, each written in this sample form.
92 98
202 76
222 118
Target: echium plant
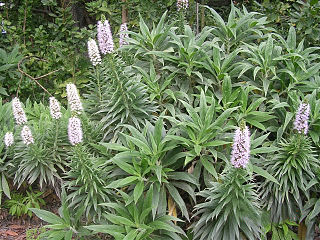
123 35
294 166
93 52
5 164
86 183
40 150
105 36
182 4
231 209
118 97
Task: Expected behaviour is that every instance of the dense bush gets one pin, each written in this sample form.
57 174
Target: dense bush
178 135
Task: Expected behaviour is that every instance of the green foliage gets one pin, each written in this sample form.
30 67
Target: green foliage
33 234
43 160
161 115
305 16
136 221
19 204
86 183
282 230
152 159
8 70
200 133
65 226
242 26
294 167
231 208
117 97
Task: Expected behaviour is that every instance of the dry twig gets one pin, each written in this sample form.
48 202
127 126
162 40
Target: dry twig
34 78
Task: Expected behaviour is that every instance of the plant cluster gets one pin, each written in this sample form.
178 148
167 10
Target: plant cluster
180 135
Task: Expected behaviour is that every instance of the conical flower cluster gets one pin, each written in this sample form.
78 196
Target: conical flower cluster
18 112
55 110
73 98
302 116
93 52
8 139
182 4
240 154
123 36
74 131
26 135
105 37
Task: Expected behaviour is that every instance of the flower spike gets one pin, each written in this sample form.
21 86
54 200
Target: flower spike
240 154
302 116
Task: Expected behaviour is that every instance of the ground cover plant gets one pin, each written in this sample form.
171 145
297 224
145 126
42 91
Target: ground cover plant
173 134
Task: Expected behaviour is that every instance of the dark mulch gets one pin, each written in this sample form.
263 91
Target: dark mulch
13 228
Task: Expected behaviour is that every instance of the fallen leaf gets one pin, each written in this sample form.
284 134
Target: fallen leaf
16 226
11 233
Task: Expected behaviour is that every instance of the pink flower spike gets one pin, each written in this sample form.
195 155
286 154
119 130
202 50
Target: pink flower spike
105 37
8 139
182 4
74 131
123 36
55 110
26 135
240 154
93 52
302 117
18 112
74 99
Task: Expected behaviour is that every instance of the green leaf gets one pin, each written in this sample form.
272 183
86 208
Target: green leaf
209 167
264 150
122 182
260 171
138 190
178 199
131 235
159 225
197 149
119 220
315 211
113 230
68 235
5 186
114 146
124 166
216 143
47 216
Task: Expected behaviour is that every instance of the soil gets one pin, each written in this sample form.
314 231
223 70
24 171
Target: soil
13 228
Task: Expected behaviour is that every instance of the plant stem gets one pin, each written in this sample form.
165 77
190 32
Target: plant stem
302 231
125 99
98 83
